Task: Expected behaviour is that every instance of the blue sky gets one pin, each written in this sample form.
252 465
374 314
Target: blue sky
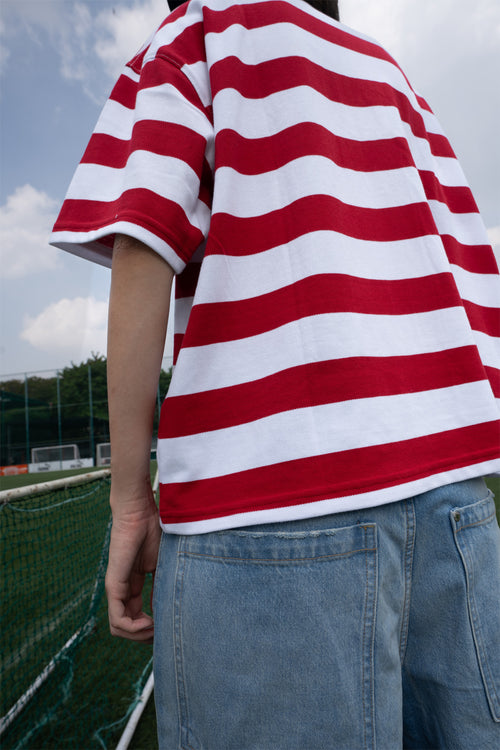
58 62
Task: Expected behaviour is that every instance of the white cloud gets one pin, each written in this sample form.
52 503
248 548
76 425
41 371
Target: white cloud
94 48
4 52
92 44
428 36
25 223
432 40
122 31
75 33
75 327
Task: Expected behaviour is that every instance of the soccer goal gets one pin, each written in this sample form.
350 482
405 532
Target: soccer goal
53 453
103 454
57 458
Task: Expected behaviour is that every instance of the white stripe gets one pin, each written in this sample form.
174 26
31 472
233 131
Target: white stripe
432 124
448 171
166 176
282 40
182 311
344 426
169 32
253 195
115 120
480 288
162 103
128 72
316 339
227 278
368 500
466 228
259 118
198 75
489 349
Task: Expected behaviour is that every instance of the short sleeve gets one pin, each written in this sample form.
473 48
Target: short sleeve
145 171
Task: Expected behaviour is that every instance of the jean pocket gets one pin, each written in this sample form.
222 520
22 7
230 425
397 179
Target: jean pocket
275 638
477 537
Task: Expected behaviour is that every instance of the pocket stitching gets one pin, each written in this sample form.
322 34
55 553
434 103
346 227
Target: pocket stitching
487 677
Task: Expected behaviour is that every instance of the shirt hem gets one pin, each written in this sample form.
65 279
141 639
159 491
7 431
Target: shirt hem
329 506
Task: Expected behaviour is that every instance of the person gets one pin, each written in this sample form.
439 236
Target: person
328 558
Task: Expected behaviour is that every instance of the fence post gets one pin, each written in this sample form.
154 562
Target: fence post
91 413
59 427
27 418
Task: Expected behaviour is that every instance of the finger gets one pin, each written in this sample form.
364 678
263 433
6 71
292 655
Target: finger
137 628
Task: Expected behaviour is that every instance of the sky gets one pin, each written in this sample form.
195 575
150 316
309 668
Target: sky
58 62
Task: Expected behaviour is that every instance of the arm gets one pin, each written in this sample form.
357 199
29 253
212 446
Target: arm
138 315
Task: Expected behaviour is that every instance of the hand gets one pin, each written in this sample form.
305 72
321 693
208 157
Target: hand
133 552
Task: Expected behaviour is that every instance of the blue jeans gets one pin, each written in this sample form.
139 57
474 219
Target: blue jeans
377 628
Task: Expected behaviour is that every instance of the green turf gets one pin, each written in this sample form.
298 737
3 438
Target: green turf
50 556
100 650
21 480
145 737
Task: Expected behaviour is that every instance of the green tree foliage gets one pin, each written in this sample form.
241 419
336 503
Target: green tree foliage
71 407
75 383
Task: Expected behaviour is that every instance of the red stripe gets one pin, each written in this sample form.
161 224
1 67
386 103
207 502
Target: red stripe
440 146
245 236
473 258
187 48
186 282
160 71
423 103
211 323
259 155
494 378
485 319
137 61
125 92
163 138
255 16
178 12
316 384
206 184
178 338
159 215
334 475
459 199
280 74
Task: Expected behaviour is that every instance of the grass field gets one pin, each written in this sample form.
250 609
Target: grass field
52 557
21 480
90 668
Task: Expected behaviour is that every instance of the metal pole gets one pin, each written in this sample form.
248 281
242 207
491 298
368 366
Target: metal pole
27 419
136 714
59 426
91 413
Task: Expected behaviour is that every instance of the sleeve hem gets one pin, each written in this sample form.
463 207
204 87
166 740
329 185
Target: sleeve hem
90 244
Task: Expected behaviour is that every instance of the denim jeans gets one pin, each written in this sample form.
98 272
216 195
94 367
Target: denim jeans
377 628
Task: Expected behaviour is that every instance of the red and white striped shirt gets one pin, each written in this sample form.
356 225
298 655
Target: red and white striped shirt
337 331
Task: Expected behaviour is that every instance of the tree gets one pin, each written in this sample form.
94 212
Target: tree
71 407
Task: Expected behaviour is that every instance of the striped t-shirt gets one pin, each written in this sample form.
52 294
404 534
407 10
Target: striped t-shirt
337 331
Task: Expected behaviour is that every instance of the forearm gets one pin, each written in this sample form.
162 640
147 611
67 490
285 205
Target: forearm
138 316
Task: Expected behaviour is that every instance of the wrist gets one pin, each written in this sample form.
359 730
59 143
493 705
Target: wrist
131 493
